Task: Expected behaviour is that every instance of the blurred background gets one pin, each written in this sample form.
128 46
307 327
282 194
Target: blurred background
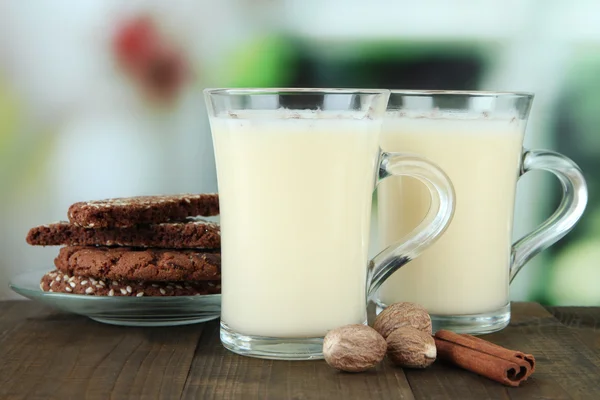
103 98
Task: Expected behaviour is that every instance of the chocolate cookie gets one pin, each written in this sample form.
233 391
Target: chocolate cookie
130 211
139 264
57 281
194 234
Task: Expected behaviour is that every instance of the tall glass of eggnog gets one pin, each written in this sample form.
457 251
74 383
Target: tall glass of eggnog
296 170
477 139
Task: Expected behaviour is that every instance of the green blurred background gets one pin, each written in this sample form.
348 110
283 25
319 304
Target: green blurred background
82 118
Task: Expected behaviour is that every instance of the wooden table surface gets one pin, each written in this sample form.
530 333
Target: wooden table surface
47 354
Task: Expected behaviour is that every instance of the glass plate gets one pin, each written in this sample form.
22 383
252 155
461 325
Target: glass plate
129 311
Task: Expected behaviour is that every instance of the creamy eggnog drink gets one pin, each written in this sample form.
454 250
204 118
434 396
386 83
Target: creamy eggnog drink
302 189
296 171
467 270
476 138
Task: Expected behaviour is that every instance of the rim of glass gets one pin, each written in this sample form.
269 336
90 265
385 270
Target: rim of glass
407 92
471 93
292 91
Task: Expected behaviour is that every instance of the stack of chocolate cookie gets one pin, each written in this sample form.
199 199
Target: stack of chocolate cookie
138 246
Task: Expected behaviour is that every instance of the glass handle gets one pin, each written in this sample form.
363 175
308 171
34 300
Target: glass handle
431 227
569 211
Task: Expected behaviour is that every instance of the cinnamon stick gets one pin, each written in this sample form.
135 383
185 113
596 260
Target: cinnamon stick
508 367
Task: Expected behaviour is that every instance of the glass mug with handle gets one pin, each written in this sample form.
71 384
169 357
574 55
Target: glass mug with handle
477 139
296 169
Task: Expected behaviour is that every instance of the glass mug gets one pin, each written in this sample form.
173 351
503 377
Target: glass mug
296 170
476 138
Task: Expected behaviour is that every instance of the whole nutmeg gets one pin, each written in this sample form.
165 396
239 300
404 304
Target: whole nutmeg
354 348
411 348
402 314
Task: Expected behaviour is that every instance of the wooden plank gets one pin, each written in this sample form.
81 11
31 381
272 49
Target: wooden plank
583 321
48 354
444 382
577 317
14 313
56 355
219 374
566 368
